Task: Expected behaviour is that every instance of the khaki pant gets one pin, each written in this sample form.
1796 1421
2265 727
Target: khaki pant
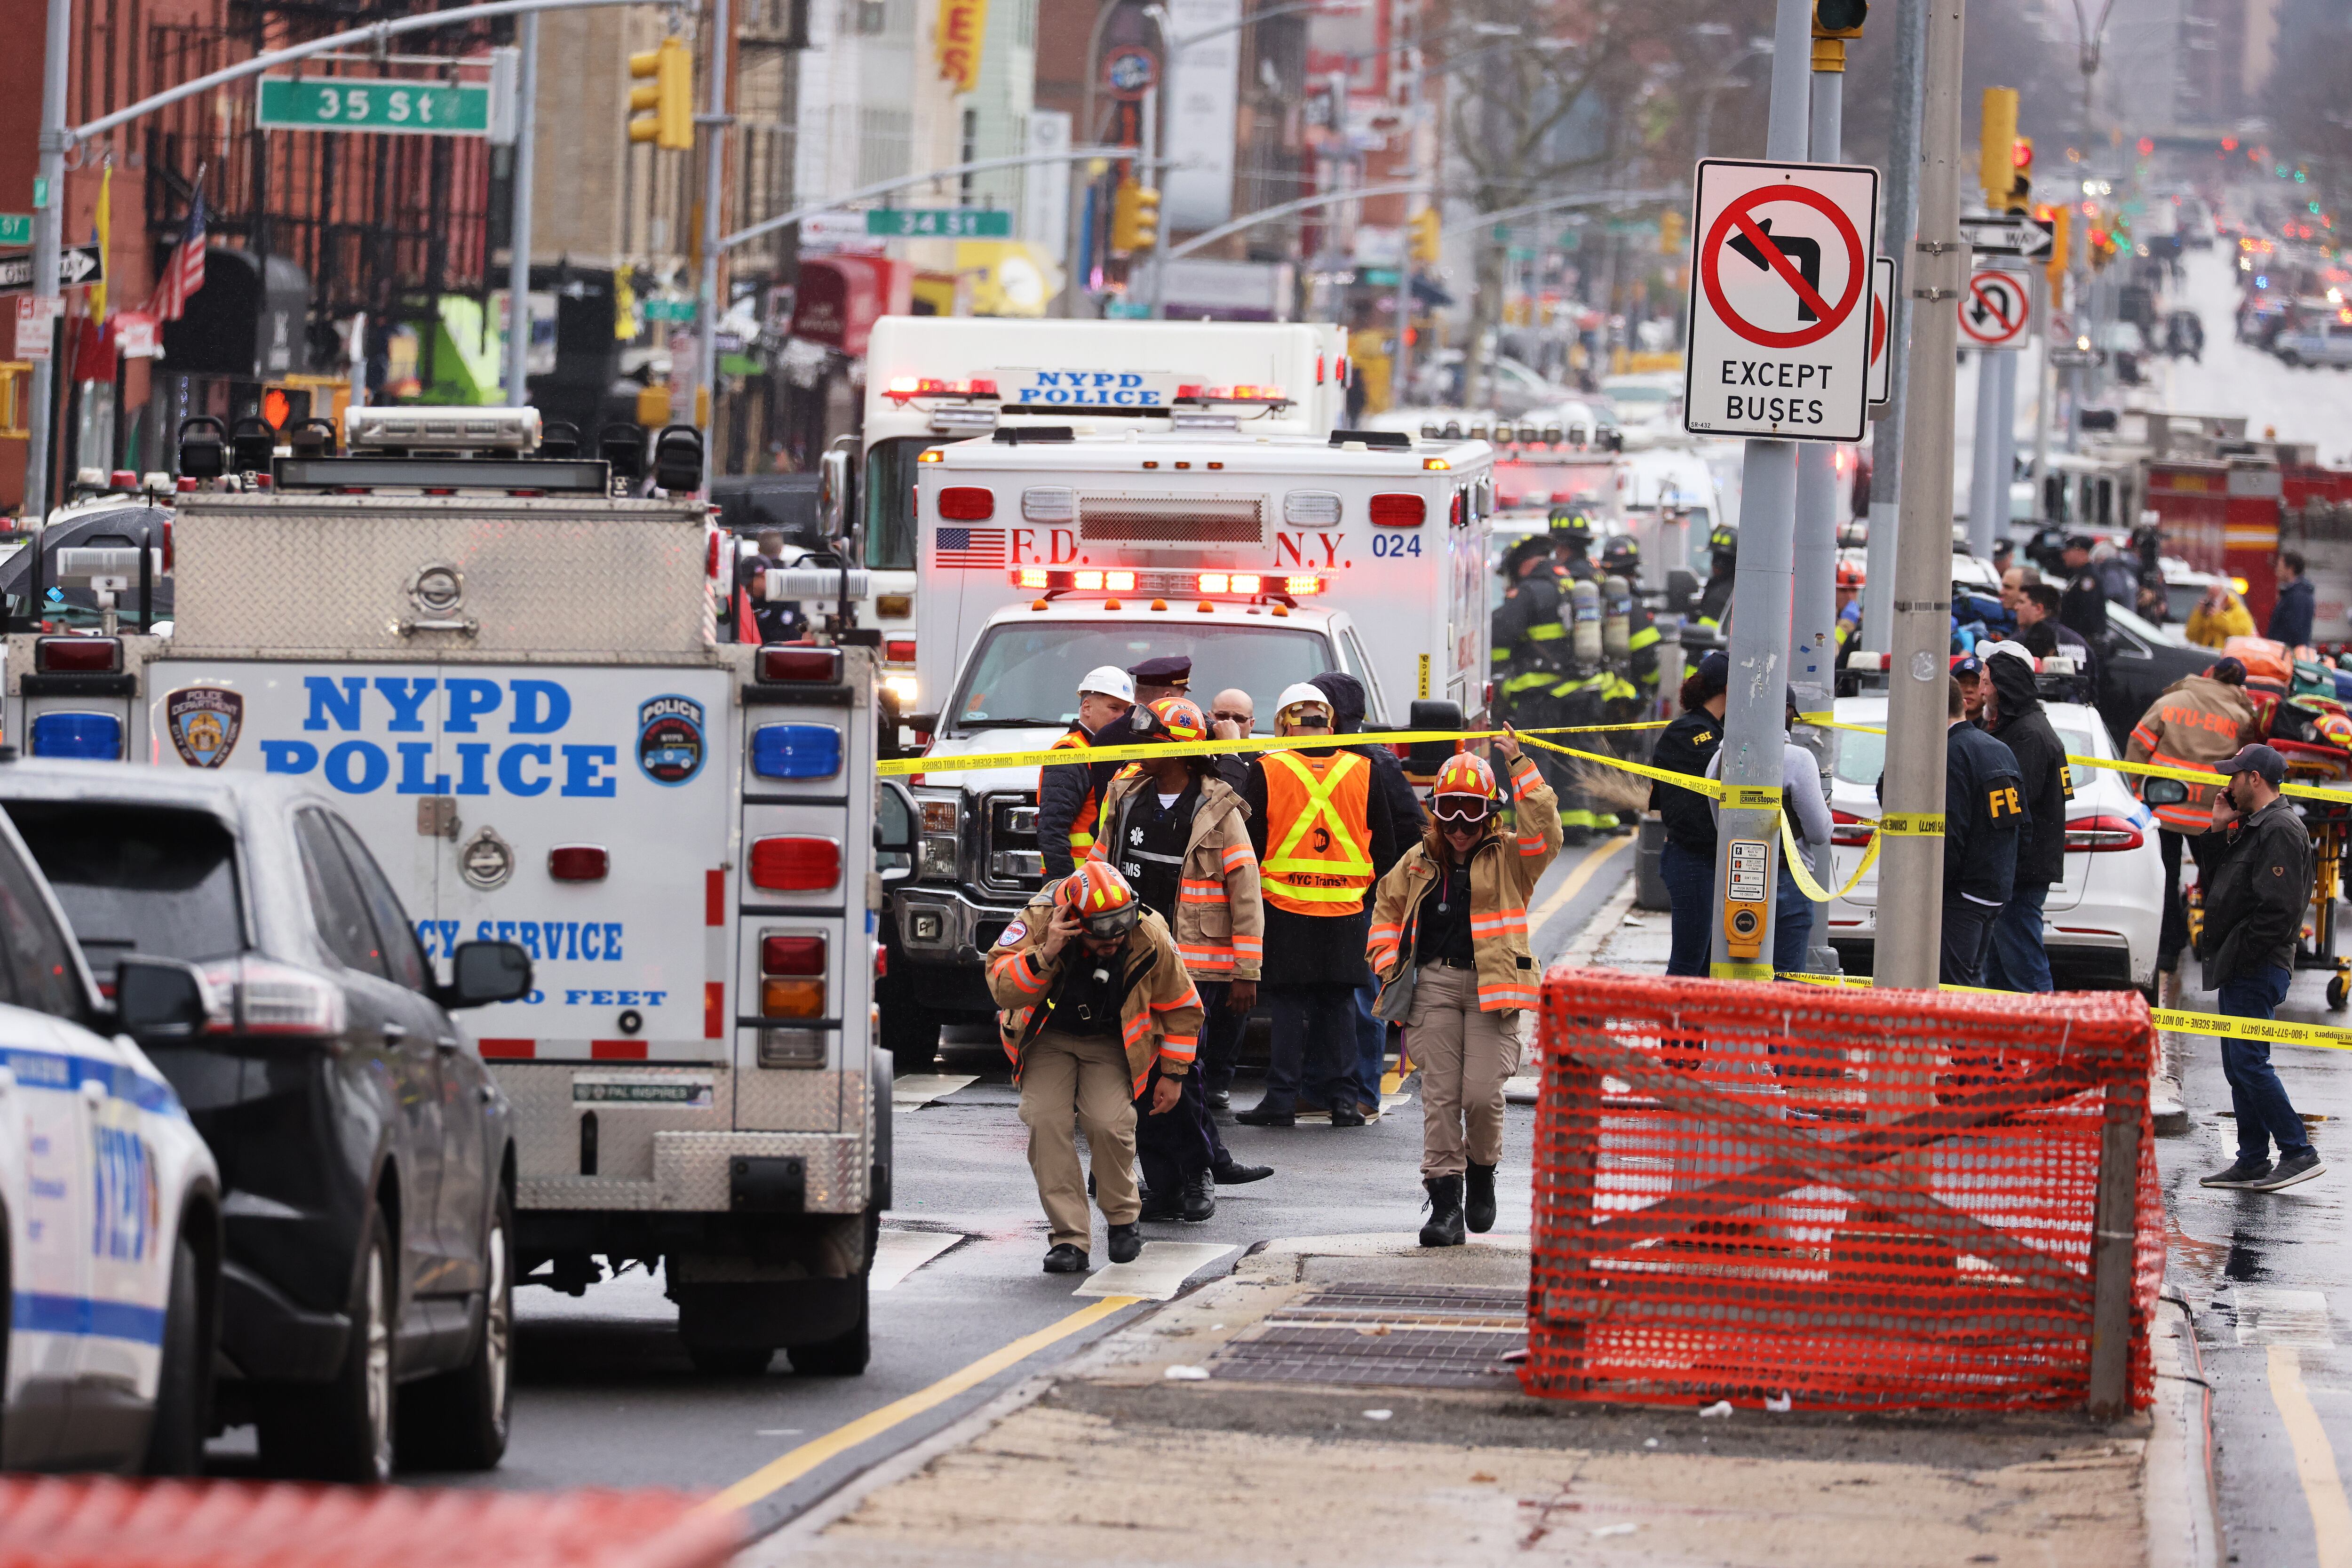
1062 1077
1464 1055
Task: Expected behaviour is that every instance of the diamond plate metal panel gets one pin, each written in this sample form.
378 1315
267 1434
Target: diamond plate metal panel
584 1193
547 1123
779 1101
543 578
690 1168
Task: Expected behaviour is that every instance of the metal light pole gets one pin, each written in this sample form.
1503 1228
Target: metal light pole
1911 863
1984 453
2004 442
1901 211
49 226
1754 727
714 189
518 229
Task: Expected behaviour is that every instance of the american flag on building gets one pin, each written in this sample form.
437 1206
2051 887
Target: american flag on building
969 547
184 274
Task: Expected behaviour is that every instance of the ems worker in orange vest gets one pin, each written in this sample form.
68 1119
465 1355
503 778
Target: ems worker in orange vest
1069 794
1322 834
1454 912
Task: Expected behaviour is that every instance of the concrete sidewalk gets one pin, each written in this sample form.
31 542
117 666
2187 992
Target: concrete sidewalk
1345 1400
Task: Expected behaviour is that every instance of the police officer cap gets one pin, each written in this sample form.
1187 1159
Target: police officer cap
2256 759
2081 541
1175 669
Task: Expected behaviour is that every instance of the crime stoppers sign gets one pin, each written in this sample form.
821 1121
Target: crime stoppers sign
1780 288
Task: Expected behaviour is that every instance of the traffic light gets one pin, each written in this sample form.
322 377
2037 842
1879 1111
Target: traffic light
1134 217
2061 224
2020 184
1997 147
1670 234
1835 21
1422 229
662 112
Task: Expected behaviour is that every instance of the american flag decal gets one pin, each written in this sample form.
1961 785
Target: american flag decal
969 547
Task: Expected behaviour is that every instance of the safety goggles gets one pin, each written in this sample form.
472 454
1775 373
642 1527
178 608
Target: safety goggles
1113 922
1467 810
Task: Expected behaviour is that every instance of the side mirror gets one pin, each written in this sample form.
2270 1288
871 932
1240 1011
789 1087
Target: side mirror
833 494
895 835
2163 792
481 973
160 999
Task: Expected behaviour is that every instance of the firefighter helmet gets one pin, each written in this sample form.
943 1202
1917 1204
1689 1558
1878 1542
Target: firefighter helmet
1464 774
1622 554
1106 904
1176 718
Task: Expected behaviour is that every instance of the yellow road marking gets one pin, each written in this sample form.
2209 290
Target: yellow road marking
1574 883
783 1471
2314 1460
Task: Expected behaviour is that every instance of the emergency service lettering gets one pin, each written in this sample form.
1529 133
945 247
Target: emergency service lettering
590 942
471 706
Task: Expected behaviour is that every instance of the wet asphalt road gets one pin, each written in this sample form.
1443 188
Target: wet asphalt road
2269 1280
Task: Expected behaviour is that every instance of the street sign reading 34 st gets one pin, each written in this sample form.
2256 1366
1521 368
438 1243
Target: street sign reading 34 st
1780 289
398 105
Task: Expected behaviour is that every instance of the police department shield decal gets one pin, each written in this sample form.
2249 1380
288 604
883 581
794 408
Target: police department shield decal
669 739
203 722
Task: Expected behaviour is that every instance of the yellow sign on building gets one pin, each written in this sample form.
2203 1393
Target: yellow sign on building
963 24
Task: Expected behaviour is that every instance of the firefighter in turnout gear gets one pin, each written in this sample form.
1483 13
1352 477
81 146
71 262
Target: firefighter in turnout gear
1530 639
1571 540
1715 599
1580 697
1630 641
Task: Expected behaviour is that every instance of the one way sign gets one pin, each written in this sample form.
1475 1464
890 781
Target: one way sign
76 266
2010 233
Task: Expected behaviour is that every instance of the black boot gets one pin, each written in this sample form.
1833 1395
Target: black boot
1125 1243
1200 1199
1478 1202
1159 1203
1444 1227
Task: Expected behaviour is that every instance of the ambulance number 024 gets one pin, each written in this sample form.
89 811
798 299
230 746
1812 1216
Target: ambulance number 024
1396 545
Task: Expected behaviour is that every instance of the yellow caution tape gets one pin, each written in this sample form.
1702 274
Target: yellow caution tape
2273 1029
1912 824
1051 756
1752 797
1705 787
1802 876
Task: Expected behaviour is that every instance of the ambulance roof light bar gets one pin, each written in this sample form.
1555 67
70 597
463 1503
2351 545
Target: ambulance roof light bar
508 432
904 389
1054 581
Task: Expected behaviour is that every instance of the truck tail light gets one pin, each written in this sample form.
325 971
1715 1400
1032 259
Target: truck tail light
1399 510
812 664
277 999
79 656
967 504
796 751
795 865
167 547
578 863
792 998
94 737
2102 835
1848 829
711 569
898 651
792 956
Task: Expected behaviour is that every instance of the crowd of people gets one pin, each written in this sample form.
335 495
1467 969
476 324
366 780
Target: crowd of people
1183 890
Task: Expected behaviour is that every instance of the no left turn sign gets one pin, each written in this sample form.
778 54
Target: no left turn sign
1996 312
1780 301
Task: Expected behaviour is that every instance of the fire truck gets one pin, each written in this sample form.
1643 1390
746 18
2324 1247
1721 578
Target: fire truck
505 662
1266 559
932 380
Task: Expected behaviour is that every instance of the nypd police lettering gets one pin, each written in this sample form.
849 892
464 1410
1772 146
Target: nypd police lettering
1089 389
521 768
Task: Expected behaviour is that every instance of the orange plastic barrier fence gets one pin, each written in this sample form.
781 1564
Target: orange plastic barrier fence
82 1523
1843 1198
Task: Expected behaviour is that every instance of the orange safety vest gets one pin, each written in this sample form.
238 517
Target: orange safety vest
1082 825
1318 836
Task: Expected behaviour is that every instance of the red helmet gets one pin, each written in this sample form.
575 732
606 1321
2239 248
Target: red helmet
1848 575
1178 719
1464 774
1104 901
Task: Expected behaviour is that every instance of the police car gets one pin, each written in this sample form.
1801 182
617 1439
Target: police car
109 1216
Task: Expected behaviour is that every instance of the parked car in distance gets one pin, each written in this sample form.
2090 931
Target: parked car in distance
2316 343
2100 926
110 1204
364 1152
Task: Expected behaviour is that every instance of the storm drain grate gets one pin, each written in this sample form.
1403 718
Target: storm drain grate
1441 1337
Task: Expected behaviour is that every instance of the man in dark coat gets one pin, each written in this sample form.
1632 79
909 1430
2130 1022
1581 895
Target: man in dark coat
2014 717
2291 615
2084 606
1347 695
2254 918
1984 816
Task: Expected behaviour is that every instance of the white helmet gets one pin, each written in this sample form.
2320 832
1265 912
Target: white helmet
1110 680
1298 692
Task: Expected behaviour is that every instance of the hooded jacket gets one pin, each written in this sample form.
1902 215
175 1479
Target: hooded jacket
1158 1010
1347 695
1220 919
2198 722
1503 872
2040 757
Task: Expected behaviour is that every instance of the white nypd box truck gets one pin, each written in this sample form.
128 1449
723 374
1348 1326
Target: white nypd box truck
511 678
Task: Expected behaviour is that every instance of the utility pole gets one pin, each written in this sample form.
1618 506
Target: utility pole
518 229
49 226
714 191
1755 730
1902 219
1911 862
2004 443
1984 453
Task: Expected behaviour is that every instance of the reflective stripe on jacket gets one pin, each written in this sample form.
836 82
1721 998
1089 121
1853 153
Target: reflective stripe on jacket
1503 871
1219 920
1318 834
2198 722
1158 1010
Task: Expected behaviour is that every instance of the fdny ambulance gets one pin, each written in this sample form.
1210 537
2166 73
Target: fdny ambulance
511 678
932 380
1264 559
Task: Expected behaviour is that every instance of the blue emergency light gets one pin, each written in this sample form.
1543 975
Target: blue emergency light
796 751
95 736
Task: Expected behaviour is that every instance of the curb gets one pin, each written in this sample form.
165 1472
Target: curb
2180 1498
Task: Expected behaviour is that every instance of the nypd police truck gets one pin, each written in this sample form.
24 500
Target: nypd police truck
1264 559
509 670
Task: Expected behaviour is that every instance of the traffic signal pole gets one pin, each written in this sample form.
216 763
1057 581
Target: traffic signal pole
519 227
1901 211
1911 862
1753 726
705 412
49 230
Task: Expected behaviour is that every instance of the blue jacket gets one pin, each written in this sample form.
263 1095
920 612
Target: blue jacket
2291 616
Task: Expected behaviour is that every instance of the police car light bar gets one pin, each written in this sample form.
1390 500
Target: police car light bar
427 429
1240 392
903 389
1236 584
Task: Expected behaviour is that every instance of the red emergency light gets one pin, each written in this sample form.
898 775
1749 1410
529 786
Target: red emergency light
1242 392
967 504
1399 510
905 388
1237 584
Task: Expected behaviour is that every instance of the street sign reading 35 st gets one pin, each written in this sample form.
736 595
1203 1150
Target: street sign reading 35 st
402 107
1780 301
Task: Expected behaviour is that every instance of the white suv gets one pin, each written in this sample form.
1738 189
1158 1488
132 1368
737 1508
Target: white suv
110 1208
